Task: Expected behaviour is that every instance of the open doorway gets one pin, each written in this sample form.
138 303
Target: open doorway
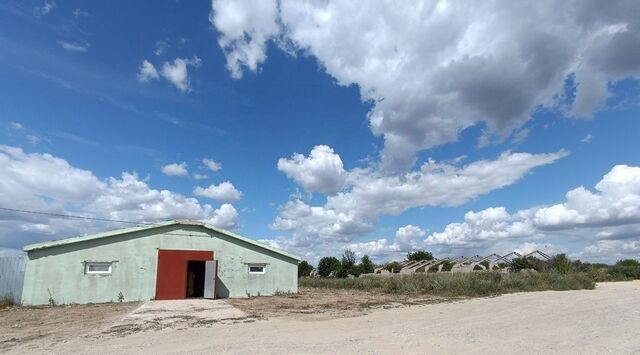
195 279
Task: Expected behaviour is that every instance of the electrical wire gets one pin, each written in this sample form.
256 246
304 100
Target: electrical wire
59 215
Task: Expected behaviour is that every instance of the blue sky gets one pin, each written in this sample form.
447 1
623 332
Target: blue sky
400 129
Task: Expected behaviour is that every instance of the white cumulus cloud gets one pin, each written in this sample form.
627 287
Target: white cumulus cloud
212 164
370 194
322 171
223 192
177 73
607 218
45 183
435 68
175 169
246 27
147 71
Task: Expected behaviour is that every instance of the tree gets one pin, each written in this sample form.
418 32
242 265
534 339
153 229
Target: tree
366 266
347 265
327 265
561 264
419 255
525 263
304 269
348 258
393 267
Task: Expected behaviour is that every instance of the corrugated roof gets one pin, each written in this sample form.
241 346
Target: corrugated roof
59 242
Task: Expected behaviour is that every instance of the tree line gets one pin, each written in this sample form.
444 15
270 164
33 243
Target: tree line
330 266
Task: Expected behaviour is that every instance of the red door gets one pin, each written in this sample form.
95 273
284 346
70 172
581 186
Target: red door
171 282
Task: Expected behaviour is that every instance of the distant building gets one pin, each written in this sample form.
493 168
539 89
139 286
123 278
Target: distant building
170 260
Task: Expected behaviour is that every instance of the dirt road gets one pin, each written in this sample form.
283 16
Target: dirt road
604 320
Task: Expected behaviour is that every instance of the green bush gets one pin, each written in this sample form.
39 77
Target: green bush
327 265
419 255
304 269
393 267
366 266
625 270
529 262
561 264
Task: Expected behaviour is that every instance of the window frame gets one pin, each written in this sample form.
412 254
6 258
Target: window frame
87 265
263 266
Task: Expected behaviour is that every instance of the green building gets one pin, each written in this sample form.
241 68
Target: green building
170 260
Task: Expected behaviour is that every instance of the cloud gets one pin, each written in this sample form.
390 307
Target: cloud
79 13
43 182
200 176
73 47
322 171
432 69
44 9
161 47
610 251
615 201
608 217
245 28
224 192
212 165
225 217
33 139
483 227
370 194
177 74
147 71
175 169
587 139
407 237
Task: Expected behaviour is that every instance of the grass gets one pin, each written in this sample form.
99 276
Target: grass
459 284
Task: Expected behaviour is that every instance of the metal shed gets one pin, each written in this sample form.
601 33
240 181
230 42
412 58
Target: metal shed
12 267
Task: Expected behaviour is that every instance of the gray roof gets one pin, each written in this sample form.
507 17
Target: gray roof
59 242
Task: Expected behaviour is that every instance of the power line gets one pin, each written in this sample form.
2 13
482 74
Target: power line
60 215
74 216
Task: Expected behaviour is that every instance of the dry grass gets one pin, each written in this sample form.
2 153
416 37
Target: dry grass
458 284
318 303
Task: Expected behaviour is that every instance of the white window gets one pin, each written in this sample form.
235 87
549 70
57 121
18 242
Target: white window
93 267
257 268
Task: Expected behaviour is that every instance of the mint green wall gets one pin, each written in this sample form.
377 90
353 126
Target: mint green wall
58 271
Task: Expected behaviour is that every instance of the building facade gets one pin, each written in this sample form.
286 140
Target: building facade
171 260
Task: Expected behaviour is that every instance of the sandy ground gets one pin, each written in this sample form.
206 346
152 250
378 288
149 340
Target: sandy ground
601 321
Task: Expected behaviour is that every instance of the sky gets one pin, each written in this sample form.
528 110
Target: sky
461 127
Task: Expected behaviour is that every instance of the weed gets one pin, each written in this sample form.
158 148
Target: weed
6 301
459 284
52 302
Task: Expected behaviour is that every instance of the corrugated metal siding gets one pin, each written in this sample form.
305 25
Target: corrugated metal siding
12 269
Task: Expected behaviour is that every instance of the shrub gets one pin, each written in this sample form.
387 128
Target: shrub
366 266
459 284
304 269
393 267
561 264
528 263
327 265
419 255
625 270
